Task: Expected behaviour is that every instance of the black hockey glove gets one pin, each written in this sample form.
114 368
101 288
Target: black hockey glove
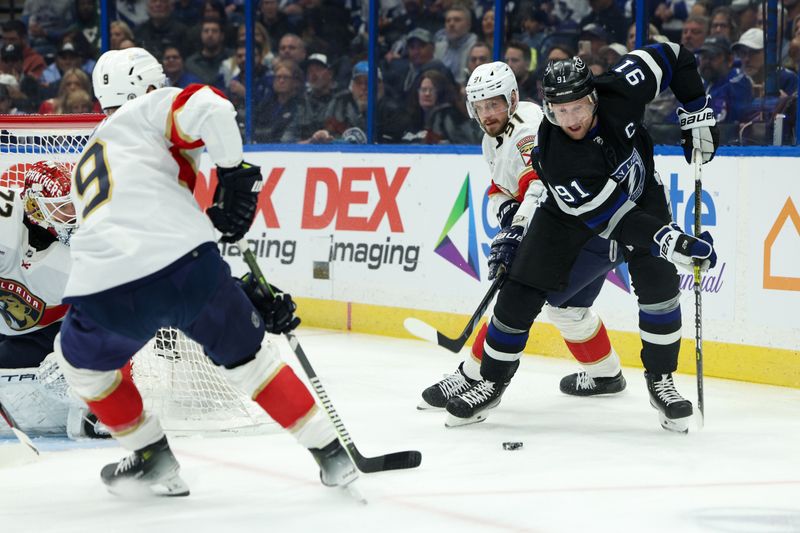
681 249
277 311
504 248
235 200
698 129
506 212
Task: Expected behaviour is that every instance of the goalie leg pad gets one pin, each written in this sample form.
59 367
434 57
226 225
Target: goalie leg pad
277 389
587 339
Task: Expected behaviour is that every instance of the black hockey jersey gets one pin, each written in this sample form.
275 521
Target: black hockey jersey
605 183
606 179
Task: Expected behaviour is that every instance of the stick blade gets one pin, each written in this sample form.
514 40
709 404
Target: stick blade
26 441
421 330
390 461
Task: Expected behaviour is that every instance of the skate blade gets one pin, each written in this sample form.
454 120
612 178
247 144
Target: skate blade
353 492
137 489
454 421
425 406
676 425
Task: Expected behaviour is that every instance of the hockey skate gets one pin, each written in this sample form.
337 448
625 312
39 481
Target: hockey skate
581 384
470 406
152 469
674 410
437 395
335 467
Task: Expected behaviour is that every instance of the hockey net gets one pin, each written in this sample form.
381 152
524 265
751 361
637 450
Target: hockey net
177 380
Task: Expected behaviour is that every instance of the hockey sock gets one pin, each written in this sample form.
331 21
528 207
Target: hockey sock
113 397
472 363
501 352
275 387
660 329
587 339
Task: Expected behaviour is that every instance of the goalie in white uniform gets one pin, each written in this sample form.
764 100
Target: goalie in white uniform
36 222
511 128
145 258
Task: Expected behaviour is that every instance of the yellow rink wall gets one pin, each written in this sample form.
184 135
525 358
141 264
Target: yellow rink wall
771 366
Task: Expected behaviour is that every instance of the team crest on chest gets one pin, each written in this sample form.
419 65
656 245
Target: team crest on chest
630 174
19 308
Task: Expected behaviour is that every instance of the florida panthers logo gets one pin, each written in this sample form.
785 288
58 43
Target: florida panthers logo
630 175
19 308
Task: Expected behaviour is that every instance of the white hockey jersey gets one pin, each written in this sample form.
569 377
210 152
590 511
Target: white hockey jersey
509 158
133 184
31 281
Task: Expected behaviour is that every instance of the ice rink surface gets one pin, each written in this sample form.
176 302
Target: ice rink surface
587 464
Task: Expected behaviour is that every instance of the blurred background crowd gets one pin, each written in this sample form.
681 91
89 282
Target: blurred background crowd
309 83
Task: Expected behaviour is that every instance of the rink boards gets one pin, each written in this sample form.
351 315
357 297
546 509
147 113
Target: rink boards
366 238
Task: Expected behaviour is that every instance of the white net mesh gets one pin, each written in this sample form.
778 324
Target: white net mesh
177 380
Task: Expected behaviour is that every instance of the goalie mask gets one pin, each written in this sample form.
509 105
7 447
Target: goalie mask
46 199
122 75
486 82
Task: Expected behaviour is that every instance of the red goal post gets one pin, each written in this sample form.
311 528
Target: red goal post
177 380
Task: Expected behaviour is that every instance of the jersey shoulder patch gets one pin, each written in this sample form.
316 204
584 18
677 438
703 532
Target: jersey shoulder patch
525 147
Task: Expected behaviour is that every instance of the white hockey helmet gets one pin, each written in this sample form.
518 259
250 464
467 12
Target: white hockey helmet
489 80
122 75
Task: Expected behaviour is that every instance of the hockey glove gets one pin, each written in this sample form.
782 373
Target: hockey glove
235 201
504 248
506 212
681 249
698 129
276 308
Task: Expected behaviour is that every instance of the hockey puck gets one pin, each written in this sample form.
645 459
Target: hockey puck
512 445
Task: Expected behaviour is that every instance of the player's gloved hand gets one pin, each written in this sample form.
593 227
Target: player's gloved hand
698 129
681 249
506 212
235 200
276 307
504 248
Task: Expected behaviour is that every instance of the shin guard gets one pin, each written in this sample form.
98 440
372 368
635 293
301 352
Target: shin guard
587 340
274 386
113 397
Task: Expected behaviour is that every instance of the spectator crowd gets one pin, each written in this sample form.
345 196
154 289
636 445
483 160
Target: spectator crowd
310 72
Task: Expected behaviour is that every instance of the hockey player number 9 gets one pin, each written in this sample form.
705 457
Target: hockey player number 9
92 173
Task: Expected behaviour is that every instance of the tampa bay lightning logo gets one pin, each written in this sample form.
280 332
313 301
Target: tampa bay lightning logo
630 175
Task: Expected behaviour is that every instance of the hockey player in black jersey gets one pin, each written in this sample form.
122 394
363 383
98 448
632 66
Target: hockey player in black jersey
596 160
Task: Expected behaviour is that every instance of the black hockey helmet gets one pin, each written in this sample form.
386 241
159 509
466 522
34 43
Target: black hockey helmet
567 80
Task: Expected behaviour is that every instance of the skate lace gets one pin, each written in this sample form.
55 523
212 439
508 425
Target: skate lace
126 464
479 393
453 384
665 389
584 381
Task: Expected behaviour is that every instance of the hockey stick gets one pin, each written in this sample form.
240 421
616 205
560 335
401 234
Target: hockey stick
368 465
425 331
697 162
23 438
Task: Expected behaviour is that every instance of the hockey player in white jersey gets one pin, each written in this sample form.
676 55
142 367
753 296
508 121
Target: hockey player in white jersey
36 222
146 257
510 128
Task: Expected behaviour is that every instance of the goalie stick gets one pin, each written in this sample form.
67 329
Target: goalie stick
368 465
425 331
21 435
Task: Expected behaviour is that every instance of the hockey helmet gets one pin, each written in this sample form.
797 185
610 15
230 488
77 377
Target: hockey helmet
564 81
489 80
46 200
122 75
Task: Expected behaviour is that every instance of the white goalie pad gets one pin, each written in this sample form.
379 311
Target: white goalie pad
35 409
